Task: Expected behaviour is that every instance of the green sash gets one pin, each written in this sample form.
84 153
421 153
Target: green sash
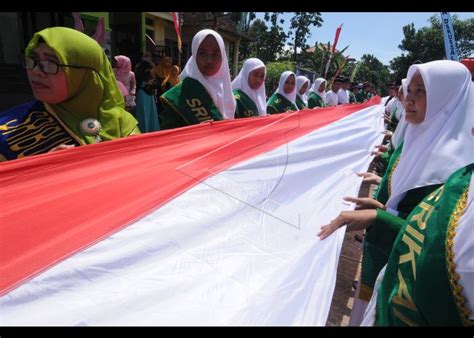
300 103
360 97
352 98
420 286
187 103
245 106
382 193
277 104
314 100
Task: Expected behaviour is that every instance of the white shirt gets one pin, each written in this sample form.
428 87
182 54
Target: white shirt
331 98
342 96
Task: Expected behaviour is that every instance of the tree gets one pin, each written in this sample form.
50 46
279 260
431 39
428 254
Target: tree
427 43
372 70
300 28
274 70
267 43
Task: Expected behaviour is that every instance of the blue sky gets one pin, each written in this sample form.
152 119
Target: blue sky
373 33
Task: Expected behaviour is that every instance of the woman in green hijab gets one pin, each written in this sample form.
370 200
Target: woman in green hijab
77 98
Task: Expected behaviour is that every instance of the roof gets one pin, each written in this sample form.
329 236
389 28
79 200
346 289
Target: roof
469 63
210 20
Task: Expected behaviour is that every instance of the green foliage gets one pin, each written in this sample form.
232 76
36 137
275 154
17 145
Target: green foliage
371 69
274 71
319 57
267 44
300 26
427 43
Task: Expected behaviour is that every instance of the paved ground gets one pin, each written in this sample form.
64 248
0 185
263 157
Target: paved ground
348 270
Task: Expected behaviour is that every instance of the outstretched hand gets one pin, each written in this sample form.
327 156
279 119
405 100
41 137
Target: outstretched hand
380 150
364 203
61 147
370 178
355 220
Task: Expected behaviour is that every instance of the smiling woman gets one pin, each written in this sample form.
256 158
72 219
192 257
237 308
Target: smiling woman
77 98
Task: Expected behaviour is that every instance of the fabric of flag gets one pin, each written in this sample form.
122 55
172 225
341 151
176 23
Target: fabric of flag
177 27
212 224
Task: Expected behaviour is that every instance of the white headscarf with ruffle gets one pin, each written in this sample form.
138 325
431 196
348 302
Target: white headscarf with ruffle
218 86
315 87
241 82
281 87
444 141
300 81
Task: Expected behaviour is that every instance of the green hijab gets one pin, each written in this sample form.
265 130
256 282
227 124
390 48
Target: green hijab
91 94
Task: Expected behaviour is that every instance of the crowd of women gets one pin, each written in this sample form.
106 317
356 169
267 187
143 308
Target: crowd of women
418 260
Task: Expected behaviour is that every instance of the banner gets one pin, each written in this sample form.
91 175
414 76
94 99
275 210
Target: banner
449 39
212 224
177 28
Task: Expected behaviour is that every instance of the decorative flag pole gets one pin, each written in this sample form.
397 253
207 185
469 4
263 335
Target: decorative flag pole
341 67
354 72
177 28
338 31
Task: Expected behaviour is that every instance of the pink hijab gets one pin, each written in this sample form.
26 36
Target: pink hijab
124 66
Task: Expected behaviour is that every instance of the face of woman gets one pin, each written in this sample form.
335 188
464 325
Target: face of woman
209 58
304 88
415 100
322 87
289 84
168 62
256 78
49 88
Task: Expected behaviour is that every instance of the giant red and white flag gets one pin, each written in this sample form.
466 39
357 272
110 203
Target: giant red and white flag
211 224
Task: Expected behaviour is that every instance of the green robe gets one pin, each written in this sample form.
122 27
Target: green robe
420 285
360 97
300 103
245 106
378 244
314 100
186 104
277 104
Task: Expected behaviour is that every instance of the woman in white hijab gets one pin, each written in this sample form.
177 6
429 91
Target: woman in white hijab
401 128
249 89
205 91
438 141
302 87
284 98
316 94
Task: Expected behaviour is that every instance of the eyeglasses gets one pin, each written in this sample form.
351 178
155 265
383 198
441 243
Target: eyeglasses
47 66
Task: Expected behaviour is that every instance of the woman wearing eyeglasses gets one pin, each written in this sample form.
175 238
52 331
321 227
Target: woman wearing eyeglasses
77 98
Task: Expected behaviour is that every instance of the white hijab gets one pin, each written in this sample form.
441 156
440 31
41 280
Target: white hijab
443 142
315 87
258 96
300 81
399 133
281 85
218 86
